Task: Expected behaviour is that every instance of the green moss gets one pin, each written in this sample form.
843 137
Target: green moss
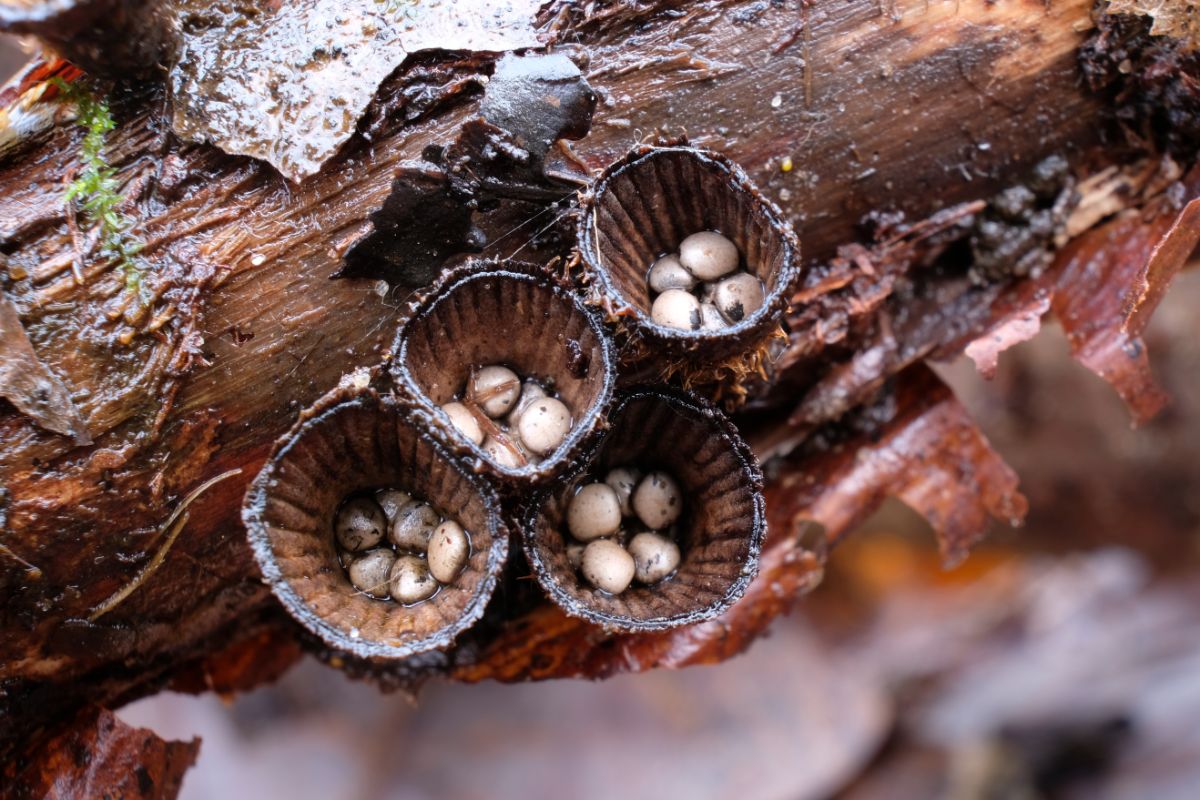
399 9
94 189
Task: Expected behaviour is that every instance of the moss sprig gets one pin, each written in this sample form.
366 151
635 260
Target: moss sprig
95 187
398 9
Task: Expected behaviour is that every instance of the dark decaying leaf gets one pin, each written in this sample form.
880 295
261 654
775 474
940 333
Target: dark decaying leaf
417 228
530 103
27 384
96 756
539 100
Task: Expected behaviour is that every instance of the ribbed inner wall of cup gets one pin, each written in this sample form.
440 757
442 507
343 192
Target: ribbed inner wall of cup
509 320
356 447
644 210
719 512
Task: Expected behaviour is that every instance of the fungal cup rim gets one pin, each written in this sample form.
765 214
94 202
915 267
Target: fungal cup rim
700 411
775 300
254 506
584 426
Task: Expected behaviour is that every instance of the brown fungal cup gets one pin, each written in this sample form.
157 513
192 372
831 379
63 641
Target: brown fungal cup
720 533
518 316
344 446
643 206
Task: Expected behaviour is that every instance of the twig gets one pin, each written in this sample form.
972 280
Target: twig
173 526
491 428
34 570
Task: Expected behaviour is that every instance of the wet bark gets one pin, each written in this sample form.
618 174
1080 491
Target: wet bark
910 117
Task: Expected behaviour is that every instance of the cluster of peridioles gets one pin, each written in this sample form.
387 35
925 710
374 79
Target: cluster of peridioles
396 545
623 529
707 263
509 410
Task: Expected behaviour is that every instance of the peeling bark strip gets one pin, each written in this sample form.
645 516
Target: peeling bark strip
1102 288
834 111
1169 255
929 454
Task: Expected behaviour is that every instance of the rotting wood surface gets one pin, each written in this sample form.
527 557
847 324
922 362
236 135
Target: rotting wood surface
917 107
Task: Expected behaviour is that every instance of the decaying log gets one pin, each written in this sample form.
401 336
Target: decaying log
913 116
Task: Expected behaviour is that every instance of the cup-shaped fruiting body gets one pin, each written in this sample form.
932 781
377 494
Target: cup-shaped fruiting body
632 224
719 532
349 446
511 349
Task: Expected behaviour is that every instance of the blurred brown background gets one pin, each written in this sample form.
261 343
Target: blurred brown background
1058 661
12 56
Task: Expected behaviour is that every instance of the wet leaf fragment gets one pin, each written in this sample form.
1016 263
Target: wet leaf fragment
32 388
98 755
288 83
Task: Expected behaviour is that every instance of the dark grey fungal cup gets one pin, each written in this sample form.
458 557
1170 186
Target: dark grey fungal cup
349 445
719 532
643 207
522 318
